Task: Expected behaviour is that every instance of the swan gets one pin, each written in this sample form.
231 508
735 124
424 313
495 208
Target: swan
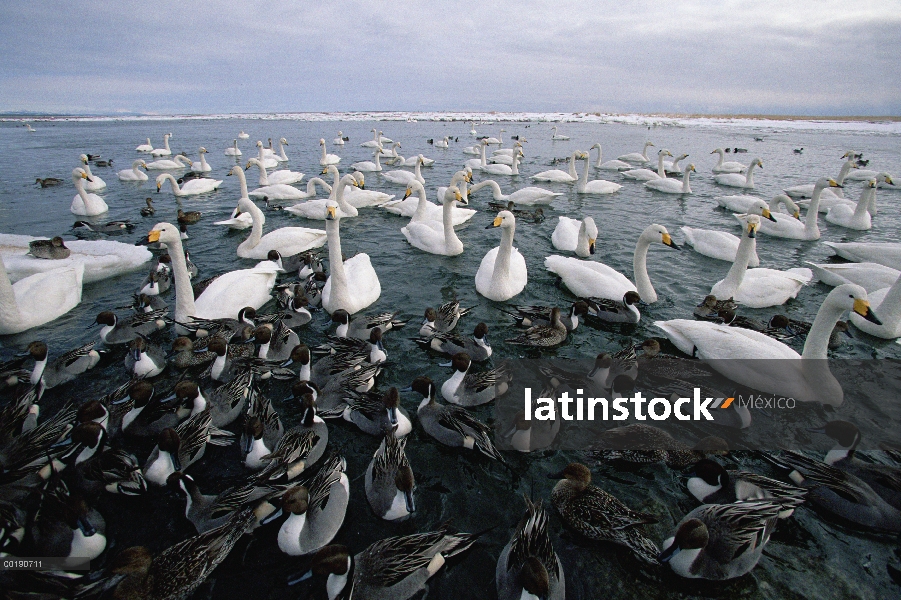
502 273
556 137
373 143
316 209
806 190
737 180
573 235
673 168
672 186
884 253
595 186
281 156
243 135
329 159
827 203
283 176
146 148
437 240
226 295
499 169
472 128
405 177
277 191
728 166
38 298
868 275
339 141
476 150
237 220
610 165
176 162
288 241
758 288
233 150
400 161
722 245
559 176
94 184
496 141
648 174
887 307
588 279
353 284
133 174
268 160
201 166
476 163
442 143
637 157
857 217
528 196
421 209
795 229
164 151
357 196
267 150
804 380
367 166
743 202
85 204
192 187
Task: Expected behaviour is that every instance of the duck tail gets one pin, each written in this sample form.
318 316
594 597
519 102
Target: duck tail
641 546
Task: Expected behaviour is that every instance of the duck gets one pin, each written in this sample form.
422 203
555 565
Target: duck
556 175
144 359
450 424
38 299
207 512
280 177
339 141
720 541
474 389
794 228
610 165
887 307
858 217
302 445
644 444
201 166
710 483
95 183
803 380
720 244
806 190
261 432
316 209
588 279
176 162
116 331
528 196
362 326
63 524
595 186
148 415
49 181
637 157
192 187
52 249
225 403
133 174
353 284
147 147
530 316
287 240
789 328
442 320
233 150
63 368
226 295
672 186
476 346
502 273
737 180
598 515
376 414
327 159
105 228
528 568
389 480
179 447
85 204
148 211
406 177
422 234
164 151
648 174
728 166
612 311
544 336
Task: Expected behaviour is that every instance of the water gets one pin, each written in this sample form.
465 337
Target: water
473 493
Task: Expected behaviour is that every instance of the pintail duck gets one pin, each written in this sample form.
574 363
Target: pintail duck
226 328
362 326
796 328
644 444
528 567
394 568
275 341
711 483
709 307
300 447
157 282
598 515
295 311
52 249
180 447
97 470
720 541
543 336
375 414
450 424
148 211
477 346
62 524
121 331
225 362
303 263
224 403
442 320
473 389
145 303
728 317
372 351
208 512
612 311
262 431
148 414
62 369
30 448
110 227
145 359
530 316
389 480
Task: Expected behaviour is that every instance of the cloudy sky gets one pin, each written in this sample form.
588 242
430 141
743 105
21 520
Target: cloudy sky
805 57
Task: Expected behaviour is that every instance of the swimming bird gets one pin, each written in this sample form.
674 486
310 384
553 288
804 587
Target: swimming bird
353 284
710 483
63 368
262 430
502 273
644 444
207 512
179 447
527 196
530 316
164 151
191 187
575 236
736 179
133 174
477 346
528 567
544 336
612 311
361 326
122 331
473 389
637 157
442 320
389 480
301 446
376 413
727 167
145 359
48 181
84 203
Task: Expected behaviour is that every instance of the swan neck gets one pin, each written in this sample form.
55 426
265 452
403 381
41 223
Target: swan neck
846 168
867 197
256 232
502 262
749 178
484 161
660 170
572 167
686 186
582 243
817 344
184 293
640 269
8 307
447 218
746 248
264 179
420 213
600 155
336 262
811 227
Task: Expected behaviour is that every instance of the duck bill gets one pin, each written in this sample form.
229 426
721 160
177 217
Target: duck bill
408 497
85 526
392 416
862 307
248 444
295 579
669 553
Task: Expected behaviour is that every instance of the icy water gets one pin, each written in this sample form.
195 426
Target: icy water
807 557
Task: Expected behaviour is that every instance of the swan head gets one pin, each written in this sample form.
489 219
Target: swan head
237 170
284 141
824 182
360 180
331 211
167 233
591 230
690 167
259 143
757 162
760 208
160 179
452 194
321 142
718 151
658 233
665 153
503 219
84 158
202 150
80 173
854 298
751 223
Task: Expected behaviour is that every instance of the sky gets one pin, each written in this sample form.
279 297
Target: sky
792 57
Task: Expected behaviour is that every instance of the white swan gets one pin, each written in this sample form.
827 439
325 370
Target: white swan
527 196
828 202
400 161
166 164
672 186
857 217
146 148
559 176
868 275
281 177
472 128
727 166
358 196
637 157
737 180
433 239
164 151
722 245
477 149
648 174
884 253
500 169
280 156
442 143
192 187
758 288
610 165
589 279
673 168
39 298
273 191
94 184
237 220
373 143
268 160
133 174
743 202
201 166
367 166
887 308
806 190
317 209
573 235
327 159
405 177
353 284
85 204
795 229
243 135
421 209
595 186
556 137
502 273
339 141
226 295
804 380
287 240
233 150
496 141
476 163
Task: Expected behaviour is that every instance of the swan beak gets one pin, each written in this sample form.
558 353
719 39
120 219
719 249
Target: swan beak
158 186
833 183
324 171
752 230
862 307
408 193
714 152
361 185
668 241
153 236
888 180
330 212
459 198
767 215
468 178
797 214
591 246
496 223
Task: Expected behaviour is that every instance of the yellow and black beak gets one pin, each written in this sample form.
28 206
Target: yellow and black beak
495 223
834 183
888 180
862 307
766 214
153 236
330 213
408 193
361 184
797 214
591 246
324 171
459 198
158 186
668 241
752 230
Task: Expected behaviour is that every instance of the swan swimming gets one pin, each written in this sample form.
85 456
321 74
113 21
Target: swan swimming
795 229
353 284
558 175
192 187
317 209
727 167
595 186
720 244
280 177
327 159
39 298
672 186
288 241
648 174
637 157
233 150
737 180
610 165
95 183
527 196
164 151
502 273
85 204
573 235
176 162
133 174
443 240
